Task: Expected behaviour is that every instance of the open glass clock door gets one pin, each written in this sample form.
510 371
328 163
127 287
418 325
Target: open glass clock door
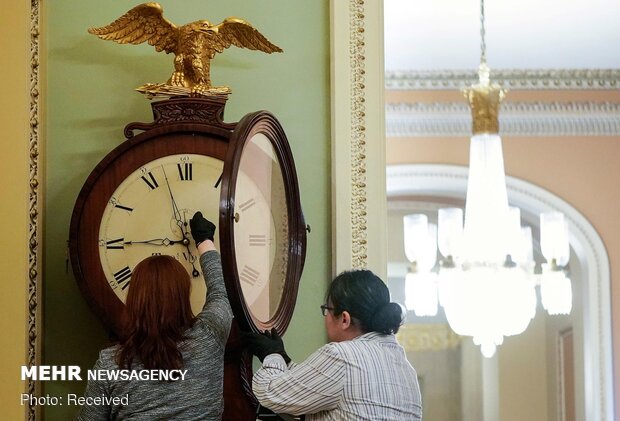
263 229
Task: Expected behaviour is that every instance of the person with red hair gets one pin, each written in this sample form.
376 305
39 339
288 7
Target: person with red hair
163 336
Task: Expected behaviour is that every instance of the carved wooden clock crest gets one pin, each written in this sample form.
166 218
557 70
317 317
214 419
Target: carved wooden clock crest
138 200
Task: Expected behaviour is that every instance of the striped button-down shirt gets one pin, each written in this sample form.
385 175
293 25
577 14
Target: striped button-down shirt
367 378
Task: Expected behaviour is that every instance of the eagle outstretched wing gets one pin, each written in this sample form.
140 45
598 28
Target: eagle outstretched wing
143 23
238 32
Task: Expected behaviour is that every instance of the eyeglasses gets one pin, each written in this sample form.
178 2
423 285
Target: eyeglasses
324 309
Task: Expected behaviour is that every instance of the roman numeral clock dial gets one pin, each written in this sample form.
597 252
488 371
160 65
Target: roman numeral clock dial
260 229
138 200
149 212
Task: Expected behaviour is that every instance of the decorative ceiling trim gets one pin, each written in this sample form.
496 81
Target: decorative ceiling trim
516 119
508 78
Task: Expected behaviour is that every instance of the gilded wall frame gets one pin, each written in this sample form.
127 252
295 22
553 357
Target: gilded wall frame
34 318
358 132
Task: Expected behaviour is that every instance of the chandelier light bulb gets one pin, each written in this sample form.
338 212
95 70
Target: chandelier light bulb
527 246
554 238
429 255
416 234
488 349
421 293
420 241
514 245
450 231
556 292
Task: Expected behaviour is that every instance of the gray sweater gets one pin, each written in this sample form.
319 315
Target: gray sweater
200 395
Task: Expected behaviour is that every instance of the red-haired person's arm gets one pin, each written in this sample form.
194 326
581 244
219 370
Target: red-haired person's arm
216 313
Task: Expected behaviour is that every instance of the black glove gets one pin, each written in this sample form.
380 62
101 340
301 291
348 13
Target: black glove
263 344
202 229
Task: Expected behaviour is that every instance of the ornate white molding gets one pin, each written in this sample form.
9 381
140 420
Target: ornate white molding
357 78
516 119
509 78
451 181
34 318
358 132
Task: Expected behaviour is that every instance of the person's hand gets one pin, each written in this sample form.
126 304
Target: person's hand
263 344
202 229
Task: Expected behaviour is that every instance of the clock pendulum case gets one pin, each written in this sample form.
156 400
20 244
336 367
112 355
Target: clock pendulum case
138 200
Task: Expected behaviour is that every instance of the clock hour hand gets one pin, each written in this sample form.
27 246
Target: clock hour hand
159 242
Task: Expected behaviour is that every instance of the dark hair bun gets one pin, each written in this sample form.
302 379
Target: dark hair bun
367 299
387 318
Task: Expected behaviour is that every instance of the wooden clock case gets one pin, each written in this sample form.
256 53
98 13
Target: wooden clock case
193 126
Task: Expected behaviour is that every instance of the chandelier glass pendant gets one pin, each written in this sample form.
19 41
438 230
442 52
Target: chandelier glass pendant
486 281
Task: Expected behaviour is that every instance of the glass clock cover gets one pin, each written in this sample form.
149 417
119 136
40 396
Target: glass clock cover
267 235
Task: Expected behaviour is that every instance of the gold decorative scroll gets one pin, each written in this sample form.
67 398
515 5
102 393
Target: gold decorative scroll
427 337
359 208
35 287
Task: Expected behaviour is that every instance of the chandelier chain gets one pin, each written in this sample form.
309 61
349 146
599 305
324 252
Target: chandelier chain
483 45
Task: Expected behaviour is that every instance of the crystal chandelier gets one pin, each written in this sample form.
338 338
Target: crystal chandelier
486 279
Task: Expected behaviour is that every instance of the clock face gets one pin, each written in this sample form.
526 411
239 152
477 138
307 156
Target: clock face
148 214
261 228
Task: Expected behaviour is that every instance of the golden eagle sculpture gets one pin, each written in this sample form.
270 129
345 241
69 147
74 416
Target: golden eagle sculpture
193 45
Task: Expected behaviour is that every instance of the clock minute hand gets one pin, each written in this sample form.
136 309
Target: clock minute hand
176 214
159 242
186 236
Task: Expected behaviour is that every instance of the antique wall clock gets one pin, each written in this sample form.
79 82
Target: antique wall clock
138 201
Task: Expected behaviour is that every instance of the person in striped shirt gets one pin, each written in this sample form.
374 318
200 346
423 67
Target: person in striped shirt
361 374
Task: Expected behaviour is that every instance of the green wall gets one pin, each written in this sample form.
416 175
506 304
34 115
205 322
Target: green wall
91 98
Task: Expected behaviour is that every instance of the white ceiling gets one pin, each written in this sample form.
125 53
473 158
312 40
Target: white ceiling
520 34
